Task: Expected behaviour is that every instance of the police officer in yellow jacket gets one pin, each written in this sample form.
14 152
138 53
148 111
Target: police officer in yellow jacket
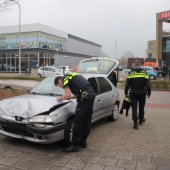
84 93
138 86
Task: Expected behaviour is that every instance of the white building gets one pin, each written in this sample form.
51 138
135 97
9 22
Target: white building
42 45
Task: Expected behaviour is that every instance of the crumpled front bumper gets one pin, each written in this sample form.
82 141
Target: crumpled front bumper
47 134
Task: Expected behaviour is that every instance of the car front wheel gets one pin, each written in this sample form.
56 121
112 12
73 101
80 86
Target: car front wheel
151 77
160 75
115 112
40 75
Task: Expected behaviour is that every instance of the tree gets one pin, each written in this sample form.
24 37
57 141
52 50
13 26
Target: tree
6 4
123 60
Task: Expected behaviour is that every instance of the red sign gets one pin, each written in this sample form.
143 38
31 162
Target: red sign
164 15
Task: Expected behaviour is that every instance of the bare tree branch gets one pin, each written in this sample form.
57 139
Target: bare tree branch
5 5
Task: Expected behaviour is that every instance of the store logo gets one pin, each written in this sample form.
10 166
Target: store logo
165 15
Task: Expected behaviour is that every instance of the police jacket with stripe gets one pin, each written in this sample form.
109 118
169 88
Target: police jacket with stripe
76 82
138 82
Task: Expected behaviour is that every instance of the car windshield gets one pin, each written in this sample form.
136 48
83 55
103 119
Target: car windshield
100 66
47 87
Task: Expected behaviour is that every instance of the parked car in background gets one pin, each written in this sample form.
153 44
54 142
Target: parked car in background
40 118
52 70
152 73
63 69
47 71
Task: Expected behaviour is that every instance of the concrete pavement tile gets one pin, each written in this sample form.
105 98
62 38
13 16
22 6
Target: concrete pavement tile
42 158
58 153
91 151
73 156
26 156
40 166
113 168
161 161
2 167
107 153
8 160
2 150
124 155
126 164
57 161
107 161
160 167
59 168
142 158
75 164
89 158
145 166
91 166
27 148
2 156
12 152
23 164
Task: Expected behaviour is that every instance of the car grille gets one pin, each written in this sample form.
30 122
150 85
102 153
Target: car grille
17 129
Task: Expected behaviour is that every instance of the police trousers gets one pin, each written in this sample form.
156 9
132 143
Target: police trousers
82 119
138 112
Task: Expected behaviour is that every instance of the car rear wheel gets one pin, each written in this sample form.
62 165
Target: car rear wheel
115 113
151 77
40 75
68 132
160 75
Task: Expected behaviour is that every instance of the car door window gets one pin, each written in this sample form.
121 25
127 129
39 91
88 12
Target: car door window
104 85
93 84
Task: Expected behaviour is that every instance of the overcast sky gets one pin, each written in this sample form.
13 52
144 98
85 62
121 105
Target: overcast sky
129 22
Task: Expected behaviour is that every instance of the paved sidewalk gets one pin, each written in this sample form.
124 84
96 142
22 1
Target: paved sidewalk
111 145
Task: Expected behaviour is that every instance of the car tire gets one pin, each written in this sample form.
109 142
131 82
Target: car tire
115 113
160 74
68 132
40 75
152 77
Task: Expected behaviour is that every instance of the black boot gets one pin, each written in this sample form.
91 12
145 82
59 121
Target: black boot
72 148
141 121
135 125
83 143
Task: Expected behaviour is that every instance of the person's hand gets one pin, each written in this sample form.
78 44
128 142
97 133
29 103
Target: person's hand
59 98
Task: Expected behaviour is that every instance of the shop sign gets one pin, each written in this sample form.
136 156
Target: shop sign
165 15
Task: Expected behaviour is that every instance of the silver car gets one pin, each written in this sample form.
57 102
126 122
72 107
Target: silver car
38 116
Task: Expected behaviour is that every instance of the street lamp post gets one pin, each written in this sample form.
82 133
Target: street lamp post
19 35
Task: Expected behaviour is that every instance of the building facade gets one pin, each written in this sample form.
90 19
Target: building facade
151 49
163 38
41 45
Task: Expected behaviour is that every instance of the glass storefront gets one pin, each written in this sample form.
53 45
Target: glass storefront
166 44
30 41
9 61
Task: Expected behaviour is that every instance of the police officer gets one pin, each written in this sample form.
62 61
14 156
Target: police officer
84 93
138 86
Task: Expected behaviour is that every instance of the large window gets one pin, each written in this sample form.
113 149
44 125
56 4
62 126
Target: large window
32 40
166 44
51 42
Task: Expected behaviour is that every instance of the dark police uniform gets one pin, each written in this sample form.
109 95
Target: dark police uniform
82 89
138 85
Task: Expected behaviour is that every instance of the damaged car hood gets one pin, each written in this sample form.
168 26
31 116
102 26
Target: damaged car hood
27 106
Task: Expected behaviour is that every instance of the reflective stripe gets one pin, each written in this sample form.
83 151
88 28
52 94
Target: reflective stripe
138 75
69 77
127 99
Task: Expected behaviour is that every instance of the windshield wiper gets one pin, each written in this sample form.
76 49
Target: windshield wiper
33 93
48 94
